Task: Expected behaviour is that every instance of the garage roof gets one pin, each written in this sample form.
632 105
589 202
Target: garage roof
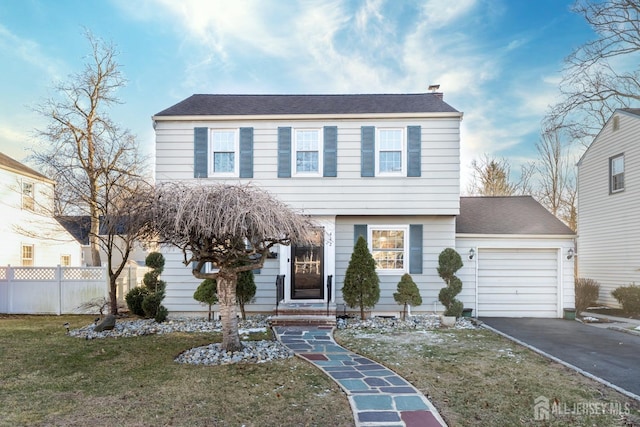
507 215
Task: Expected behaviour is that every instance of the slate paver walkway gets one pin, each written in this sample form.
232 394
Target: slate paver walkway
378 396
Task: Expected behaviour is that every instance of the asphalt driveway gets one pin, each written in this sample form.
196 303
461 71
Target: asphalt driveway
608 354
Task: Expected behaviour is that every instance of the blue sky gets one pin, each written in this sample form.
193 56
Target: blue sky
498 61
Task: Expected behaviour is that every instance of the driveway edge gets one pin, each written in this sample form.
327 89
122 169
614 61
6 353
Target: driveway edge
562 362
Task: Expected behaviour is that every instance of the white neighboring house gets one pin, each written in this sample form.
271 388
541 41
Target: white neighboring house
384 166
609 205
30 235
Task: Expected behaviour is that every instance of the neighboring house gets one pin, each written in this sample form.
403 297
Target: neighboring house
30 234
79 227
386 167
609 205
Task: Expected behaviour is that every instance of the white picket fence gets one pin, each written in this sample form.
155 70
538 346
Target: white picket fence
59 290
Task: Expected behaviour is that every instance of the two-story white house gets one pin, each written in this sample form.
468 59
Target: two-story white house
30 234
382 166
608 204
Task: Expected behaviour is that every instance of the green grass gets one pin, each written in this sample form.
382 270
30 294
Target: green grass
48 378
477 378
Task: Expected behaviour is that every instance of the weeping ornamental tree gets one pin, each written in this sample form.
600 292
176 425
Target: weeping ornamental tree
230 227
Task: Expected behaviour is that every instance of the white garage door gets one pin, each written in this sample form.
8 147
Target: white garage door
517 283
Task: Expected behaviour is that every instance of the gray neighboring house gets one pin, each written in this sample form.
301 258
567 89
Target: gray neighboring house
382 166
609 205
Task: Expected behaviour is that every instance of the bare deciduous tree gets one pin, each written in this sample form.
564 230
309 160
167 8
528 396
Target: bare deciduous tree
492 177
557 185
230 227
83 144
600 75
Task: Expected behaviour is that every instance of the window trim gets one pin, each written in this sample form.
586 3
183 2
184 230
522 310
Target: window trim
406 250
611 176
23 246
403 152
236 153
294 153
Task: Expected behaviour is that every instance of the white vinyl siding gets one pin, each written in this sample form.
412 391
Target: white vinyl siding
435 192
608 227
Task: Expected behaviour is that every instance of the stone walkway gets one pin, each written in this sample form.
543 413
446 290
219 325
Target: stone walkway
378 396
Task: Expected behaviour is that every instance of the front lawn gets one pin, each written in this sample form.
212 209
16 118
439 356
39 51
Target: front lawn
477 378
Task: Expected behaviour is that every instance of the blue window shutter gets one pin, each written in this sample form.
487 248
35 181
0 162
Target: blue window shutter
200 163
284 152
246 152
368 151
330 151
359 230
415 249
414 150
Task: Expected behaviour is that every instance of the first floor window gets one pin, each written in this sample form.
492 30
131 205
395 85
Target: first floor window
616 181
65 260
388 247
224 148
390 149
307 151
27 255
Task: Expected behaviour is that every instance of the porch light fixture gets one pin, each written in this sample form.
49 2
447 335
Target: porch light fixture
571 253
472 253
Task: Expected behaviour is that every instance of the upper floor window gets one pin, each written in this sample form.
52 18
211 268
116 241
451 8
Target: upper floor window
27 255
308 152
27 196
389 248
390 152
224 152
616 173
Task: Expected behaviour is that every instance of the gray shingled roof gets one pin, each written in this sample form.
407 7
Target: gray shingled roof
507 215
216 105
635 111
8 163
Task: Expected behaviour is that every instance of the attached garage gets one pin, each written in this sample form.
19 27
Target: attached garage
517 259
518 282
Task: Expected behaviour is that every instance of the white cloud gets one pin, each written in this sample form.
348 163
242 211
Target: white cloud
30 52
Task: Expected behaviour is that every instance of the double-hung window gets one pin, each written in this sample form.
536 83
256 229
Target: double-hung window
389 248
27 255
65 260
27 196
308 152
224 152
390 152
616 175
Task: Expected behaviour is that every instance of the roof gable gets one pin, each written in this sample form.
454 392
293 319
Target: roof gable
242 105
15 166
630 112
507 215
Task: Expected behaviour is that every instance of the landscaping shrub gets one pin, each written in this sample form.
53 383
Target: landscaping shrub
134 300
629 298
587 292
449 262
153 290
408 293
245 290
361 286
207 293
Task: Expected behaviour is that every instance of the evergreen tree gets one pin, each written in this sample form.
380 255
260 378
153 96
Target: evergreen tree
449 262
207 293
408 293
245 290
361 286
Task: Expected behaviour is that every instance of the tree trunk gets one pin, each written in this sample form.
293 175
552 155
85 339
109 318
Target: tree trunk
209 312
228 312
94 241
244 315
361 312
113 288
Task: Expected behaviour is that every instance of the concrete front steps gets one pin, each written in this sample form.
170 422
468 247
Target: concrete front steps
304 314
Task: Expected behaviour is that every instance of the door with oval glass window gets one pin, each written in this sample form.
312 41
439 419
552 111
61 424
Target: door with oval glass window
307 268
